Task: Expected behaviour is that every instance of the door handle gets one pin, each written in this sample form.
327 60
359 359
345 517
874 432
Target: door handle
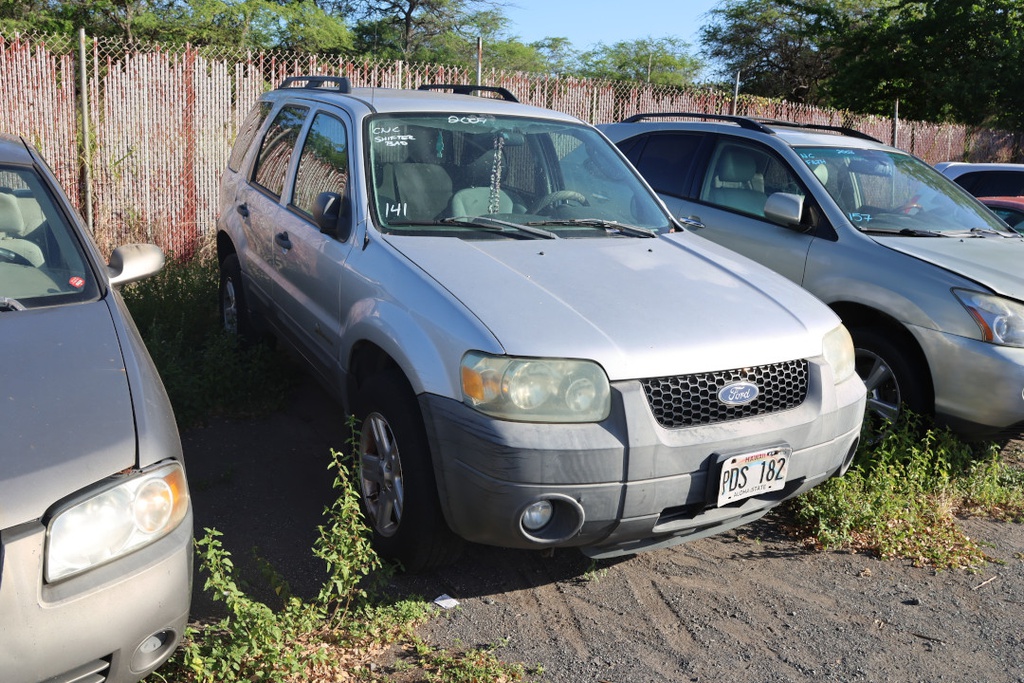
243 210
281 240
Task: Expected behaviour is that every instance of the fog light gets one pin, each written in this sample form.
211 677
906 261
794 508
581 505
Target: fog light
537 515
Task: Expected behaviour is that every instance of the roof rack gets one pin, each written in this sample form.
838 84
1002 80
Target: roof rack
470 89
339 83
852 132
742 121
753 123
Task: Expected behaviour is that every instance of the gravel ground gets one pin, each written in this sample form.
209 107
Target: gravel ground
748 605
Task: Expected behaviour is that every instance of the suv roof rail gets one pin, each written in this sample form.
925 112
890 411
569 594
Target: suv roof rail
340 83
852 132
753 123
470 89
742 121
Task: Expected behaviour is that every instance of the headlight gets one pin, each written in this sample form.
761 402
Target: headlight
535 389
837 348
1001 320
132 513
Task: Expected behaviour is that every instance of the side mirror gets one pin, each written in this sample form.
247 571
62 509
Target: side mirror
333 215
132 262
785 209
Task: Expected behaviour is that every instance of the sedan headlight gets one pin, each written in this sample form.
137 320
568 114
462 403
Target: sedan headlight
134 512
837 348
1001 320
535 389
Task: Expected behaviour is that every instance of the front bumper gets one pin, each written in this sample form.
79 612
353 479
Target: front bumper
120 620
627 483
979 387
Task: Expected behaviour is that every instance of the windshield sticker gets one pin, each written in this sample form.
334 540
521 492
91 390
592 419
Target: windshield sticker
76 282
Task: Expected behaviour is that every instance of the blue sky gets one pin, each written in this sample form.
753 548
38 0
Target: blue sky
588 22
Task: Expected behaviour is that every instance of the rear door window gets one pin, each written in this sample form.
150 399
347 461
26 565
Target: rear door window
666 161
276 149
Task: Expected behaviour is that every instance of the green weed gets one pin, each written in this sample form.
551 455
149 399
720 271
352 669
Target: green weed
202 368
903 494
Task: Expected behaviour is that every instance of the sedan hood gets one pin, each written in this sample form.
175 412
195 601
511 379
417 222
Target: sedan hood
640 307
995 262
67 419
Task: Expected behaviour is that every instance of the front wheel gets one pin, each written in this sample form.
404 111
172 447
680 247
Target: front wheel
893 378
396 477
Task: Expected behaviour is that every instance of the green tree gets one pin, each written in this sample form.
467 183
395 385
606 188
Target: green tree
665 61
780 48
409 27
943 60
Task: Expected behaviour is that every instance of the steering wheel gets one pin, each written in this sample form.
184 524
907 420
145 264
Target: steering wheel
559 196
14 257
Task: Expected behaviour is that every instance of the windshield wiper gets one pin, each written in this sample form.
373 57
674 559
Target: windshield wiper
905 232
499 225
983 232
9 304
624 228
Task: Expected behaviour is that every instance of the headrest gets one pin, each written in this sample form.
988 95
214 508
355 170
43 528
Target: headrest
11 221
736 166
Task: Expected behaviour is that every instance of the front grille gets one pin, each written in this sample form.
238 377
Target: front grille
691 400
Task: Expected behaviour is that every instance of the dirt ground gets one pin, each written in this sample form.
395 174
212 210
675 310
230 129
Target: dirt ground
748 605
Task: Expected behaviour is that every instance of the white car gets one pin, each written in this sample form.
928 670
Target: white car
985 179
536 359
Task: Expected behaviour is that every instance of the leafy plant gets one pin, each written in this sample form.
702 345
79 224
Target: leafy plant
902 496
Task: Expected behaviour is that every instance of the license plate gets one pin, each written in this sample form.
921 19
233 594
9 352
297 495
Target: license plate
752 474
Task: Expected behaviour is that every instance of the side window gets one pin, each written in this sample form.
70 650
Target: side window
665 162
323 163
247 132
741 177
993 183
276 149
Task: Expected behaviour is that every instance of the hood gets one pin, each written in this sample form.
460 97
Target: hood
640 307
67 419
995 262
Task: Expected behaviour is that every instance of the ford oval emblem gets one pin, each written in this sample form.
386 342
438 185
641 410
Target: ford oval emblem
738 393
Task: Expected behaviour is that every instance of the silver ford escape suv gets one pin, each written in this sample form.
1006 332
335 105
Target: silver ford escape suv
536 359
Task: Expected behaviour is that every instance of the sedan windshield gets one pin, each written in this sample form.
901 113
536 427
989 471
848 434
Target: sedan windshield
884 191
41 261
487 177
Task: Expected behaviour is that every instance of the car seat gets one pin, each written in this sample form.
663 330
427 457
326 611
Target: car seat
418 184
484 195
13 229
734 182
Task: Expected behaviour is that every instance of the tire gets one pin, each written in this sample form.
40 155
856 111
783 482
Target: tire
234 309
398 491
894 379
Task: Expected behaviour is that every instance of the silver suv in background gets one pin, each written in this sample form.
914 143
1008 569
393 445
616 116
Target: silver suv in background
985 180
95 515
535 361
928 281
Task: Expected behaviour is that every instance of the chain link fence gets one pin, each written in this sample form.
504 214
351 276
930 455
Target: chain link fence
160 120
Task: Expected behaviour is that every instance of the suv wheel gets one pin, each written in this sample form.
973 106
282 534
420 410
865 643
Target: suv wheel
396 477
892 378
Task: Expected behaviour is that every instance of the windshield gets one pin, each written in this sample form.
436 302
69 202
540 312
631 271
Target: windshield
41 261
886 191
487 177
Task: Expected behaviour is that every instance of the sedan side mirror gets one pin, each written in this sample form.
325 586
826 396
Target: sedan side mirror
132 262
785 209
332 213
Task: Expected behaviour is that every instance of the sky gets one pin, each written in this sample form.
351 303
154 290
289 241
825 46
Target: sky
588 22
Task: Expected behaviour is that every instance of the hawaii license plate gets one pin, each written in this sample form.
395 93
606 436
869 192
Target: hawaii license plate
752 474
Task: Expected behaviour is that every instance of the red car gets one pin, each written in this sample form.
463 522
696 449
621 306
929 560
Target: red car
1010 209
